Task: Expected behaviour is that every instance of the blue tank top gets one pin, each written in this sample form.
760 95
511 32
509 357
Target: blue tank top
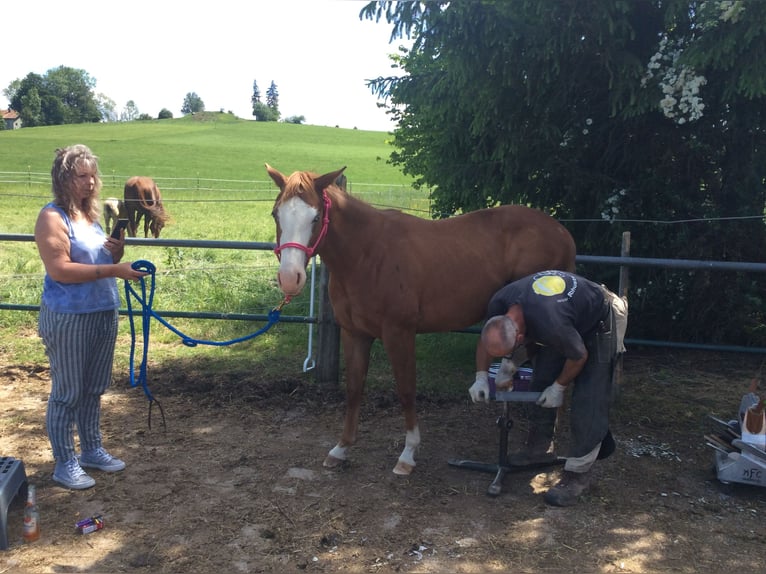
86 246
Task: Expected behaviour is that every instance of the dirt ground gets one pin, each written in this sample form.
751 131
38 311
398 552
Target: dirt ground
235 482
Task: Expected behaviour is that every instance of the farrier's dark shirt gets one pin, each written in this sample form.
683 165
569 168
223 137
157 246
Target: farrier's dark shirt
559 309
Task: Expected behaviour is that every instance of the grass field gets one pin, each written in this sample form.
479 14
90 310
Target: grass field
210 169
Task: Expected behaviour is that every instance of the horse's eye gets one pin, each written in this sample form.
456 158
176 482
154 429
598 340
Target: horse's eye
316 218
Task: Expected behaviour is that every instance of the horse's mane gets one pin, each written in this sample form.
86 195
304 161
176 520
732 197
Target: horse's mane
298 182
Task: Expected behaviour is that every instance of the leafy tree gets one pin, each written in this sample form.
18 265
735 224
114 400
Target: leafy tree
272 99
106 108
264 113
192 104
613 116
165 114
31 108
295 120
62 96
10 91
129 112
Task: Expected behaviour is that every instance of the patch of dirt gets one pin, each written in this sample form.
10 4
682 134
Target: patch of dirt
235 481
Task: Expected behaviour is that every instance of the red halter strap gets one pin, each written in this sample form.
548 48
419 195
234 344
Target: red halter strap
309 251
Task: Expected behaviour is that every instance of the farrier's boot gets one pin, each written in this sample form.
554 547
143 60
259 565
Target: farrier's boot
568 489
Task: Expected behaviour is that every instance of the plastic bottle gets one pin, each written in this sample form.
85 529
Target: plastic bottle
31 516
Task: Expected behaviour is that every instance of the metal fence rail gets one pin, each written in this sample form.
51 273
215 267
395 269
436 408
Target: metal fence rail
622 262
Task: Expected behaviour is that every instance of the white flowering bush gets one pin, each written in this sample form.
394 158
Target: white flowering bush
612 205
681 100
680 84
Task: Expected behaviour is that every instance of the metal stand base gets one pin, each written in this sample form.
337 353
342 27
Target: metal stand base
502 467
13 481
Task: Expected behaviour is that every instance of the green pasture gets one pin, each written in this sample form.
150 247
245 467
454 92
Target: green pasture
210 169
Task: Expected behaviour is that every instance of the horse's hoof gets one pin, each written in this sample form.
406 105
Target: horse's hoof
403 468
332 462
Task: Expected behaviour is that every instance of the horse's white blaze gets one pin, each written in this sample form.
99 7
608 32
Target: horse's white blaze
411 444
296 220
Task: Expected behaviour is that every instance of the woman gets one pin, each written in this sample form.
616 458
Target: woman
78 313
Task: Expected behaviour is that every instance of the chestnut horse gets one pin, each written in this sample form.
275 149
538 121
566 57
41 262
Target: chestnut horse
143 199
393 275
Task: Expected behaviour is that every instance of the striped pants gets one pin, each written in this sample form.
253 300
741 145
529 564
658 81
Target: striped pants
80 349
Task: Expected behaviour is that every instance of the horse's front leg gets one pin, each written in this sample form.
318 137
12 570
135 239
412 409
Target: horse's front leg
356 352
400 346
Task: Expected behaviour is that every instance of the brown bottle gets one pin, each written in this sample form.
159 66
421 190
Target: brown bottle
754 419
31 517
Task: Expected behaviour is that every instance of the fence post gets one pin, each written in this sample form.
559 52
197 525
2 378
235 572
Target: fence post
622 291
328 335
328 332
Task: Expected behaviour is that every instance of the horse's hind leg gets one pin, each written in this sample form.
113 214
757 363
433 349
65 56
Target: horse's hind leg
400 346
356 352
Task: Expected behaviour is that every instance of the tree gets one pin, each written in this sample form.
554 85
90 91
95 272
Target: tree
192 104
606 114
165 114
272 99
31 108
10 91
256 97
106 108
129 112
264 113
295 120
62 96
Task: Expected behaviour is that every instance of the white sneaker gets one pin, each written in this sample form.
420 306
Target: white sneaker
101 460
71 475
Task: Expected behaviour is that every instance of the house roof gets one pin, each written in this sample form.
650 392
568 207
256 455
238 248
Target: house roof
10 114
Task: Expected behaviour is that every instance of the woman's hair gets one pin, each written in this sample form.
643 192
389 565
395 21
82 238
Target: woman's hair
63 173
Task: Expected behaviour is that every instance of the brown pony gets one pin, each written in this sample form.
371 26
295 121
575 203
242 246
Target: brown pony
143 199
393 275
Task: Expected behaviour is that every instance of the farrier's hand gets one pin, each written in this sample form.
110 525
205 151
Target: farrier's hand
552 396
505 373
479 390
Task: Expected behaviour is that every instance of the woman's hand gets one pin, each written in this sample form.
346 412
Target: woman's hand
116 246
126 271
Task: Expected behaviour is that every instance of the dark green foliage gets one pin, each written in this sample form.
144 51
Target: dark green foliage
61 96
165 114
192 104
264 113
295 120
555 105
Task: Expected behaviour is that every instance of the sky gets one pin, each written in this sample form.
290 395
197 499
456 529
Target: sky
317 52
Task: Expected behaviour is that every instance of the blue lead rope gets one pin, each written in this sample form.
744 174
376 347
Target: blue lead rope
147 313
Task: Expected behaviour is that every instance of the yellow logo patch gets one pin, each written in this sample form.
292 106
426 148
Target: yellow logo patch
549 285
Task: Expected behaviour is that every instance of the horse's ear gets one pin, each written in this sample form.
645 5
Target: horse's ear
278 178
326 180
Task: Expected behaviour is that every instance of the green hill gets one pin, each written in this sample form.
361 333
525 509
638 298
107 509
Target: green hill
207 145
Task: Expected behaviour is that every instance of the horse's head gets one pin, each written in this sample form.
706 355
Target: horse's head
301 214
157 224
